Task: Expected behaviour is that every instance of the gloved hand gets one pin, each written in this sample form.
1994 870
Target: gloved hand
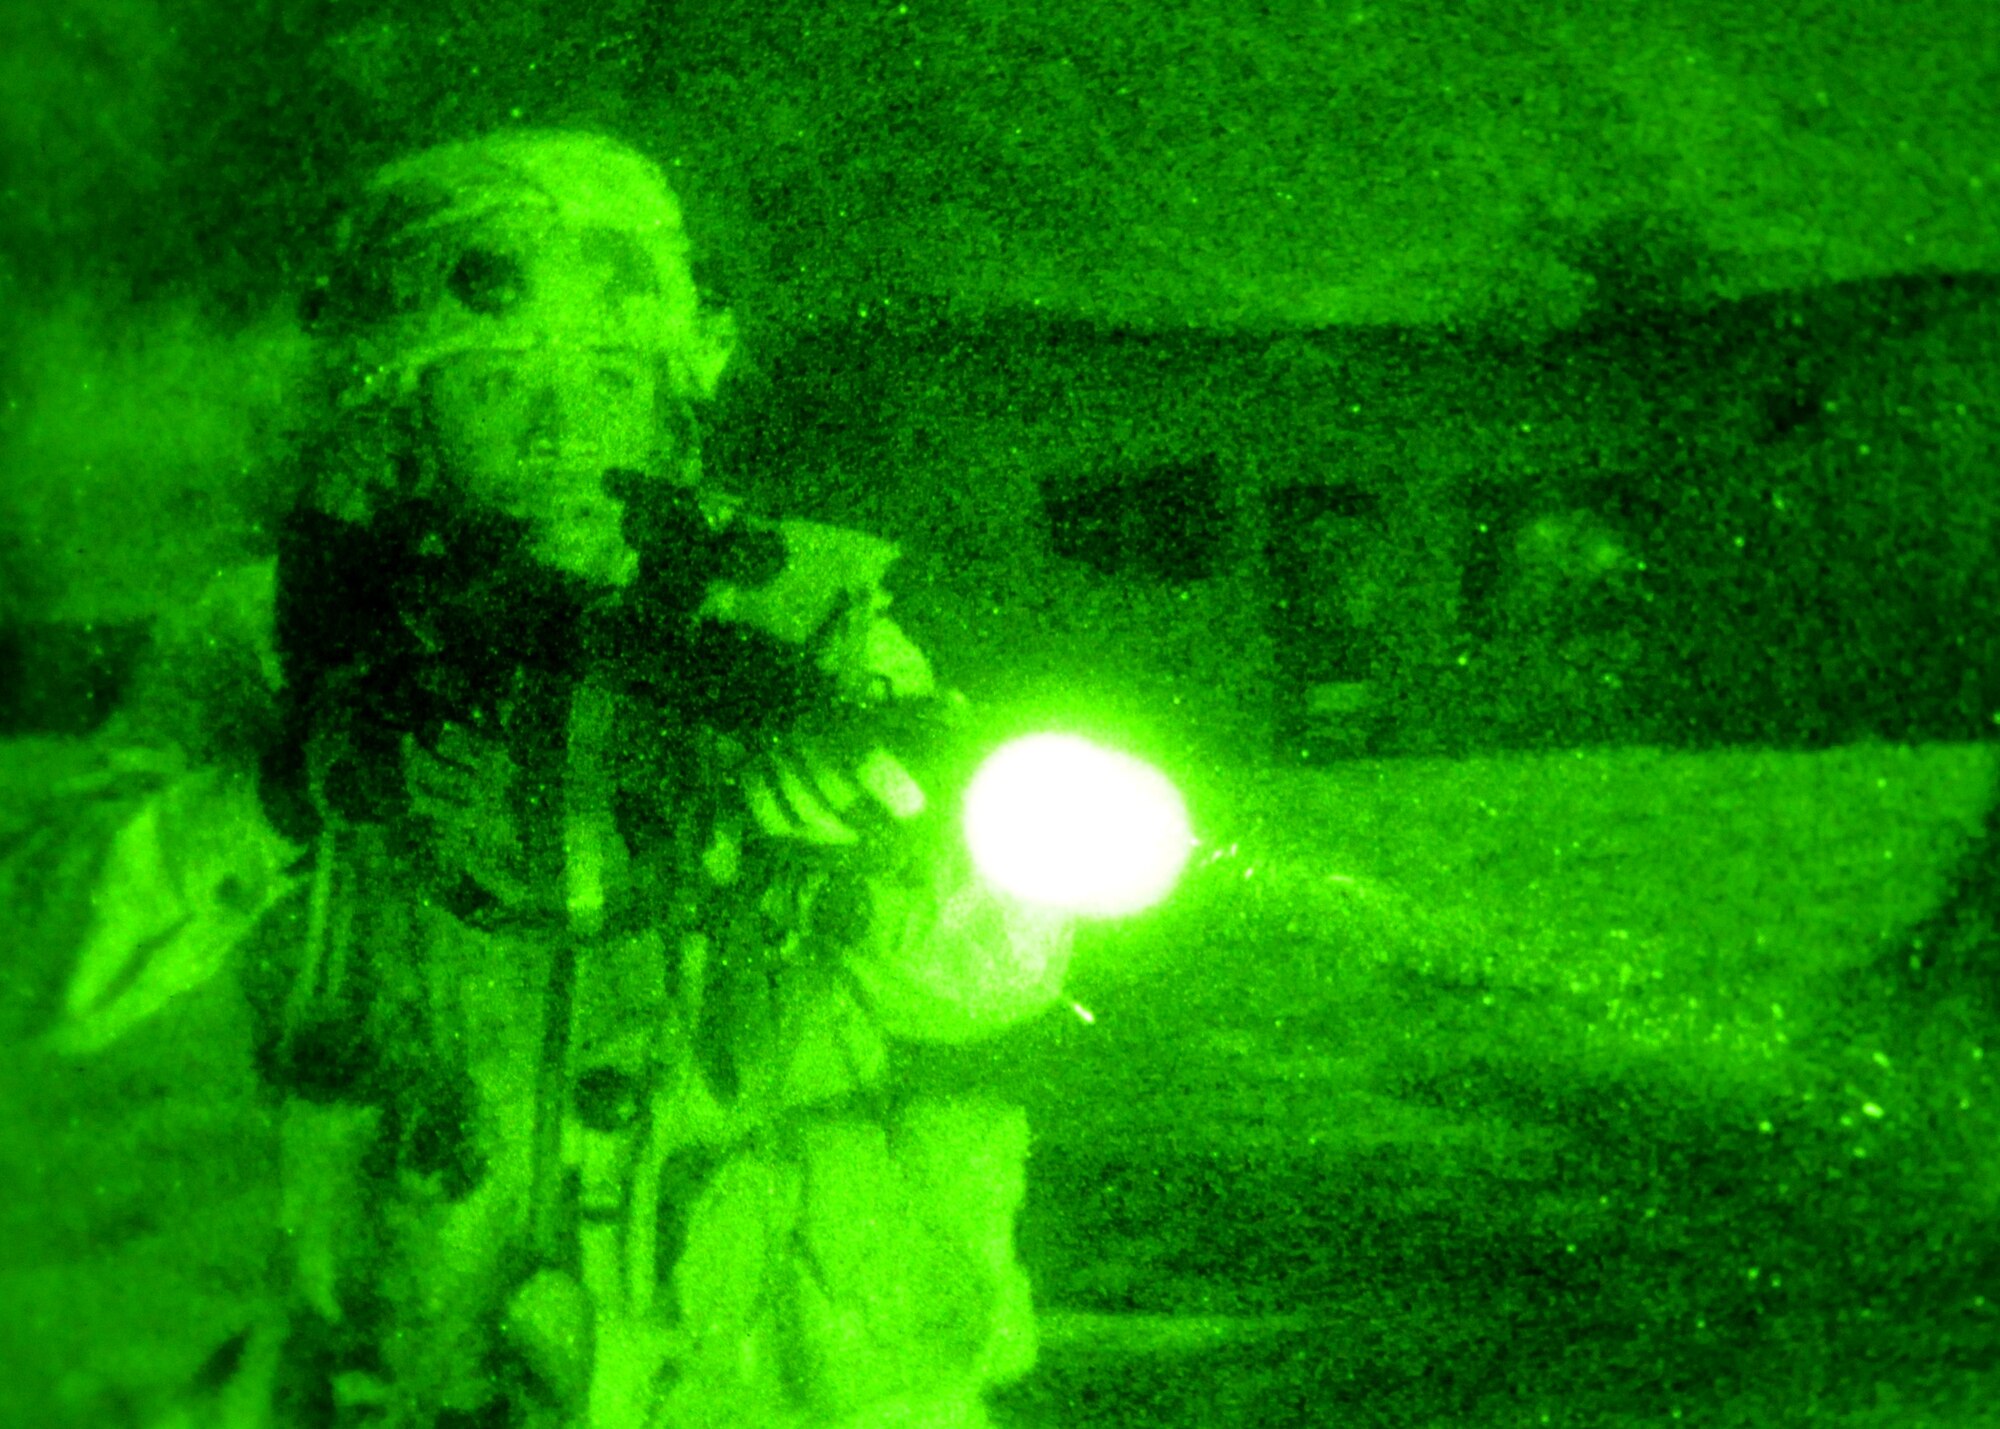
815 792
186 875
464 791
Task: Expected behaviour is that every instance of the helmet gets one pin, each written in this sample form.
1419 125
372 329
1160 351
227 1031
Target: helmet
522 238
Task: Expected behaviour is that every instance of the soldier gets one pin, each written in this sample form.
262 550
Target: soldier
622 877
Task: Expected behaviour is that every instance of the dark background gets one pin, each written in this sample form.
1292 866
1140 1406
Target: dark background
1530 471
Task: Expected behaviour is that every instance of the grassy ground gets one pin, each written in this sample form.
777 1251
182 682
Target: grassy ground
1616 1088
1612 1088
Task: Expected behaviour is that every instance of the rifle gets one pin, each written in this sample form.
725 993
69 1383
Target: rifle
429 616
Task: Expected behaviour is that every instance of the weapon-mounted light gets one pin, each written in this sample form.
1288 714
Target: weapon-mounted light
1058 821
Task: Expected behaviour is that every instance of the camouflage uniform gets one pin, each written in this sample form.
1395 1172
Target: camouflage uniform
624 882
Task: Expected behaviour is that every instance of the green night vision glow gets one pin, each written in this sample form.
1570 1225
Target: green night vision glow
1063 823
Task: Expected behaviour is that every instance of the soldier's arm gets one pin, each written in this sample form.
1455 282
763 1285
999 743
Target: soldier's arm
188 863
943 955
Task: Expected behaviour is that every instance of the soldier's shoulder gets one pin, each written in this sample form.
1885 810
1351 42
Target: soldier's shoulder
831 594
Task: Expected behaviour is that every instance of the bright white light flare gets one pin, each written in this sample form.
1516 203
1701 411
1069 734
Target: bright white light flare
1066 824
